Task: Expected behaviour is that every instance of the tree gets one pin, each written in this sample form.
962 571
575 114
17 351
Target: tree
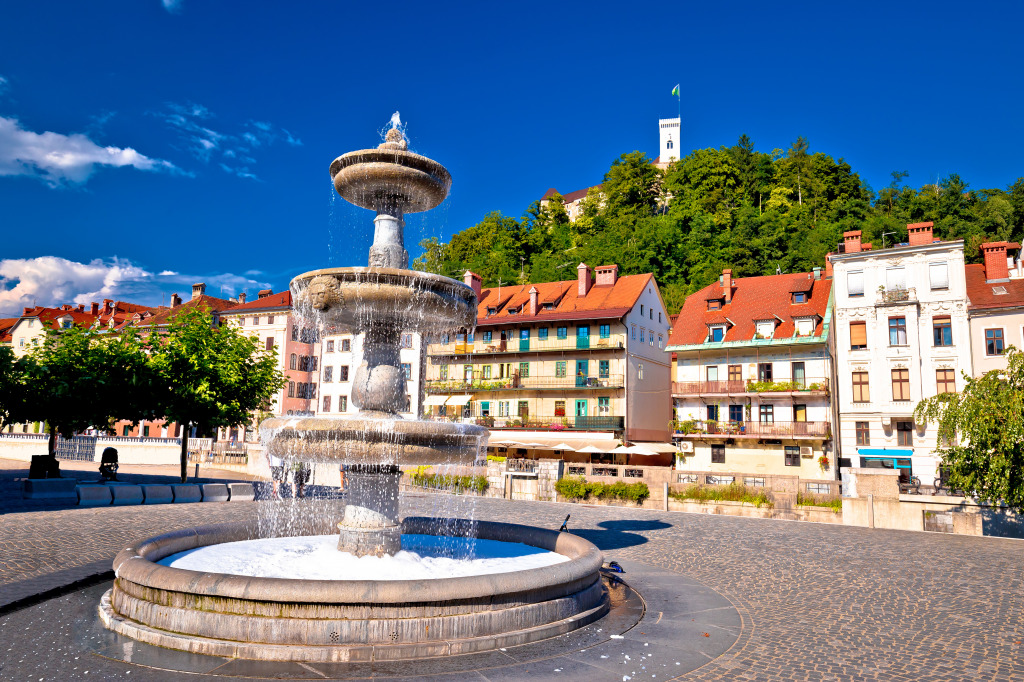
632 185
211 376
12 387
981 433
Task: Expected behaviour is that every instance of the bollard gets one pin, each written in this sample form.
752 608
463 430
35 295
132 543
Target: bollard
665 507
197 472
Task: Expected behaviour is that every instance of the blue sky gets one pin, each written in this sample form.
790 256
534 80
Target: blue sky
146 144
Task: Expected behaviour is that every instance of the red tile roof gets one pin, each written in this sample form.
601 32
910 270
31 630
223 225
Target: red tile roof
276 301
6 325
754 298
982 295
601 302
164 315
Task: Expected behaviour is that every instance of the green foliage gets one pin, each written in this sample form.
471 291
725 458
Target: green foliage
734 492
578 488
496 458
423 477
12 387
981 434
833 503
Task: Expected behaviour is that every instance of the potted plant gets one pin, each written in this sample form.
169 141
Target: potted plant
823 461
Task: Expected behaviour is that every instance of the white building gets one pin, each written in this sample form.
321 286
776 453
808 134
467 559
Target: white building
340 356
901 336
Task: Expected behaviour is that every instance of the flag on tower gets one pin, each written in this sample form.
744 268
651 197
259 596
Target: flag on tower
675 90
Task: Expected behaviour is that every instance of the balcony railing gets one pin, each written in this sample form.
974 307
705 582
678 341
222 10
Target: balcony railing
517 382
701 429
521 466
535 423
523 346
734 387
900 295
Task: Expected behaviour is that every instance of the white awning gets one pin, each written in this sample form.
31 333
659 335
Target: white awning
661 448
459 399
434 400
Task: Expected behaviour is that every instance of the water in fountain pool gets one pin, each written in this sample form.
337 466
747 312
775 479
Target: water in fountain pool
423 557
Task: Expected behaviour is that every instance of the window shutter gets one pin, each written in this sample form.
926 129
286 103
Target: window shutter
895 278
858 334
939 275
855 283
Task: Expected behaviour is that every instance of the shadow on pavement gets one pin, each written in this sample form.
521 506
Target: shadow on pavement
620 534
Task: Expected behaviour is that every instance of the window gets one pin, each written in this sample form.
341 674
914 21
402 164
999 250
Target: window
562 332
270 343
330 347
735 372
858 335
343 373
603 367
765 330
328 375
542 334
604 405
327 403
715 303
295 333
942 330
241 322
255 320
717 334
945 381
993 341
861 394
641 310
799 374
524 369
804 327
444 372
467 373
735 413
938 274
342 403
270 319
764 371
642 331
632 332
712 411
145 431
560 368
718 454
487 337
863 433
640 371
650 338
712 372
901 384
293 362
346 345
799 297
766 414
669 144
126 431
313 362
559 408
792 455
905 433
605 331
855 283
291 389
661 341
407 340
487 371
407 370
799 413
485 408
895 279
897 331
650 313
524 334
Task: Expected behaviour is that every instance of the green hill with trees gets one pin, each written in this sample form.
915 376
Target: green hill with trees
731 207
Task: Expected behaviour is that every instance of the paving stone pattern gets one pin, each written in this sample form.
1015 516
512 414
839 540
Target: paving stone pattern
817 602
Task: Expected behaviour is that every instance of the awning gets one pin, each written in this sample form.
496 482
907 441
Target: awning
579 445
461 399
434 400
658 448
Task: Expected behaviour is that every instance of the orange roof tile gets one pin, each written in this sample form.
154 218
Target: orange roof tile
983 296
211 303
276 301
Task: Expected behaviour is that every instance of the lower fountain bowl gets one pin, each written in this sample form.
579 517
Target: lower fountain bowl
337 620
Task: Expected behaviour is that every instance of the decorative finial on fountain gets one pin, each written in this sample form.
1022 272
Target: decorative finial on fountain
394 140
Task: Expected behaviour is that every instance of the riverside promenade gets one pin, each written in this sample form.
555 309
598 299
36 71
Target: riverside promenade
815 601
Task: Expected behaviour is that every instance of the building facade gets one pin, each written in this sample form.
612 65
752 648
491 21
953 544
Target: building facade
995 315
901 336
754 377
579 358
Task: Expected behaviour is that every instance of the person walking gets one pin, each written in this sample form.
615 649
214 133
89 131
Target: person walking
277 474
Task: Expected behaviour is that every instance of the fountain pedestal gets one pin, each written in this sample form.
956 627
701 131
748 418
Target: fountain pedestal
370 525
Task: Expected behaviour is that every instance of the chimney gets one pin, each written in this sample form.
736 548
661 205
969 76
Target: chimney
920 233
727 285
241 298
27 311
583 280
80 308
607 275
996 269
828 265
94 308
198 289
473 281
175 300
851 240
817 272
534 298
263 293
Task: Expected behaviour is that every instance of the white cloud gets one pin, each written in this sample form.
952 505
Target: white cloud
173 6
64 159
51 281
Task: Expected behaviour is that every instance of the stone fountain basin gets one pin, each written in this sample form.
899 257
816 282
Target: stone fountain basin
361 298
390 178
360 439
338 620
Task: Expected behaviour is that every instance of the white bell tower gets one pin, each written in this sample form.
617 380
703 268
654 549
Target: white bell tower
669 141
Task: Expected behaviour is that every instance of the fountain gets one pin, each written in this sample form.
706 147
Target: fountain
259 614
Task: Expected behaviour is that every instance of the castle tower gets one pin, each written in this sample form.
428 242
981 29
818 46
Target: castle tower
669 141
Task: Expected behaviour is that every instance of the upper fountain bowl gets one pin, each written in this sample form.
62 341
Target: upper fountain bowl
391 178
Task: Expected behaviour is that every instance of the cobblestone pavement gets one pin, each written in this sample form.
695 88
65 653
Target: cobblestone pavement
818 602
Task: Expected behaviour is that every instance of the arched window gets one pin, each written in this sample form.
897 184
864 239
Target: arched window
293 363
291 386
670 144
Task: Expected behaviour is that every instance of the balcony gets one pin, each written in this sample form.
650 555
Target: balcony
443 350
896 296
526 383
538 423
805 386
699 430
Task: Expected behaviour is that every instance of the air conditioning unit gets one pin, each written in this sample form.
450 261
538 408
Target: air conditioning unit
806 451
686 446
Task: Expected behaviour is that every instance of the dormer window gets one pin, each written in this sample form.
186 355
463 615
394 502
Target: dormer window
492 311
765 330
804 327
512 311
716 333
549 306
716 303
799 297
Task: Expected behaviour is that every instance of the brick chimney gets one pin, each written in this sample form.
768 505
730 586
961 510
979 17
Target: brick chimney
175 300
851 241
534 300
241 298
94 308
996 268
198 289
607 275
920 233
828 265
473 281
80 308
108 306
263 293
583 280
27 311
727 285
